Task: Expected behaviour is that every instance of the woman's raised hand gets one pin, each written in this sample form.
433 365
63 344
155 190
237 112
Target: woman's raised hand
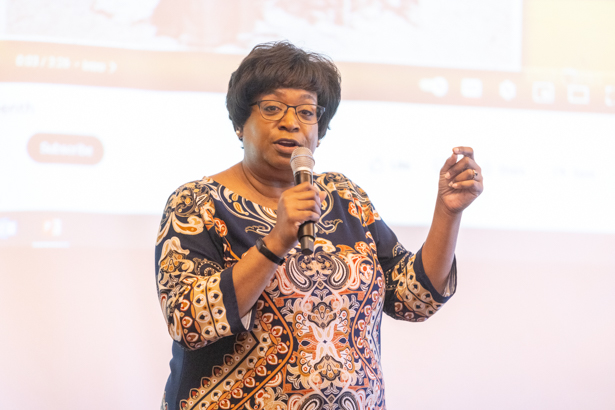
461 182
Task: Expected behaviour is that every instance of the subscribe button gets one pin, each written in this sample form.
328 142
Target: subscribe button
65 149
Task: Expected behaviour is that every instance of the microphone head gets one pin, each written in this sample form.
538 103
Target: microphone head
302 160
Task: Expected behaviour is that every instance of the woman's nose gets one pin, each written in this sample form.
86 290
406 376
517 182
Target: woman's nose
289 121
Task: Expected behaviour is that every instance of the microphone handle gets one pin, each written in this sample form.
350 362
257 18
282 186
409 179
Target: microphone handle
307 230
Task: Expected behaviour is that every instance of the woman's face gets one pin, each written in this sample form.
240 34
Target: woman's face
268 145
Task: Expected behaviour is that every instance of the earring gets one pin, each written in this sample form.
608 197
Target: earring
238 132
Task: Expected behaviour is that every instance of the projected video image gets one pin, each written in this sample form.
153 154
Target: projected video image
480 34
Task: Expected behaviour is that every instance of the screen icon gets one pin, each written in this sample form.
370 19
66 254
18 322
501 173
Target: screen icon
471 87
437 86
52 227
578 94
508 90
543 92
8 228
609 96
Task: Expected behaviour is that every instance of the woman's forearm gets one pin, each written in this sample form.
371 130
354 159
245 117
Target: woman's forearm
439 248
252 274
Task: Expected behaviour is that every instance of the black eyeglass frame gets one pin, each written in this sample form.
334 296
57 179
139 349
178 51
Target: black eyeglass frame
320 110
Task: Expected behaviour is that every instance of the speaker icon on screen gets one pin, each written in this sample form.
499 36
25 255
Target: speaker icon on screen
438 86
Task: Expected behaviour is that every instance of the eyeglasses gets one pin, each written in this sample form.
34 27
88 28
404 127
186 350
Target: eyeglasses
276 110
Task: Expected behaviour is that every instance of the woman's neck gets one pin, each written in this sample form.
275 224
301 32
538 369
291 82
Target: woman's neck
270 189
250 185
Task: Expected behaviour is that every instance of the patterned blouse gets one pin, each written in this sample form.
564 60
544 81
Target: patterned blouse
312 340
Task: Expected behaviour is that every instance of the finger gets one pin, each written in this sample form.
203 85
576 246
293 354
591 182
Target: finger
302 200
467 175
302 191
465 151
314 216
313 206
304 186
302 196
461 165
474 186
300 217
450 161
322 195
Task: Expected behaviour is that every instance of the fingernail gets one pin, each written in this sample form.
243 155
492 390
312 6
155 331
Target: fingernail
454 185
450 183
447 175
456 150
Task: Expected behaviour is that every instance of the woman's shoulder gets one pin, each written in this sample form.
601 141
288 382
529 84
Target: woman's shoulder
338 184
200 185
336 181
191 194
330 177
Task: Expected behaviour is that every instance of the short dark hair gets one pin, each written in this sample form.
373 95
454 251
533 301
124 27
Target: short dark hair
274 65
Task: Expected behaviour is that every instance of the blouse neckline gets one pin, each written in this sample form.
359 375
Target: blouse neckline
240 197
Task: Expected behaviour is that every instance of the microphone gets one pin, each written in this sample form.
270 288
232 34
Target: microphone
302 164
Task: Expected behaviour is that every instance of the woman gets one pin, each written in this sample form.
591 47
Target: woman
257 324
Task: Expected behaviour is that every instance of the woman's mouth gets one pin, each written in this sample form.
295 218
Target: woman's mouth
288 143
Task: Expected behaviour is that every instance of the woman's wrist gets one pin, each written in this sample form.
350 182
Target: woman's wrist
275 245
264 250
442 212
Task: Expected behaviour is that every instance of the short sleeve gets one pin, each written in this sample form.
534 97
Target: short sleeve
195 288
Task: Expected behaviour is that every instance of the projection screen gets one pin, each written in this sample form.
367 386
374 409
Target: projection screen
107 106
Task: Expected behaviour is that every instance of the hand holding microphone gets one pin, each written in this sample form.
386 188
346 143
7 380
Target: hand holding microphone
302 164
298 209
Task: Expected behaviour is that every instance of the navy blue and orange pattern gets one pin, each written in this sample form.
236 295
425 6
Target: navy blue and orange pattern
312 340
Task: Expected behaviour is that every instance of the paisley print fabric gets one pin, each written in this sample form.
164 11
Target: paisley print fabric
312 340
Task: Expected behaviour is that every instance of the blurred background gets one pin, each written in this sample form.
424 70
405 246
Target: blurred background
107 106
